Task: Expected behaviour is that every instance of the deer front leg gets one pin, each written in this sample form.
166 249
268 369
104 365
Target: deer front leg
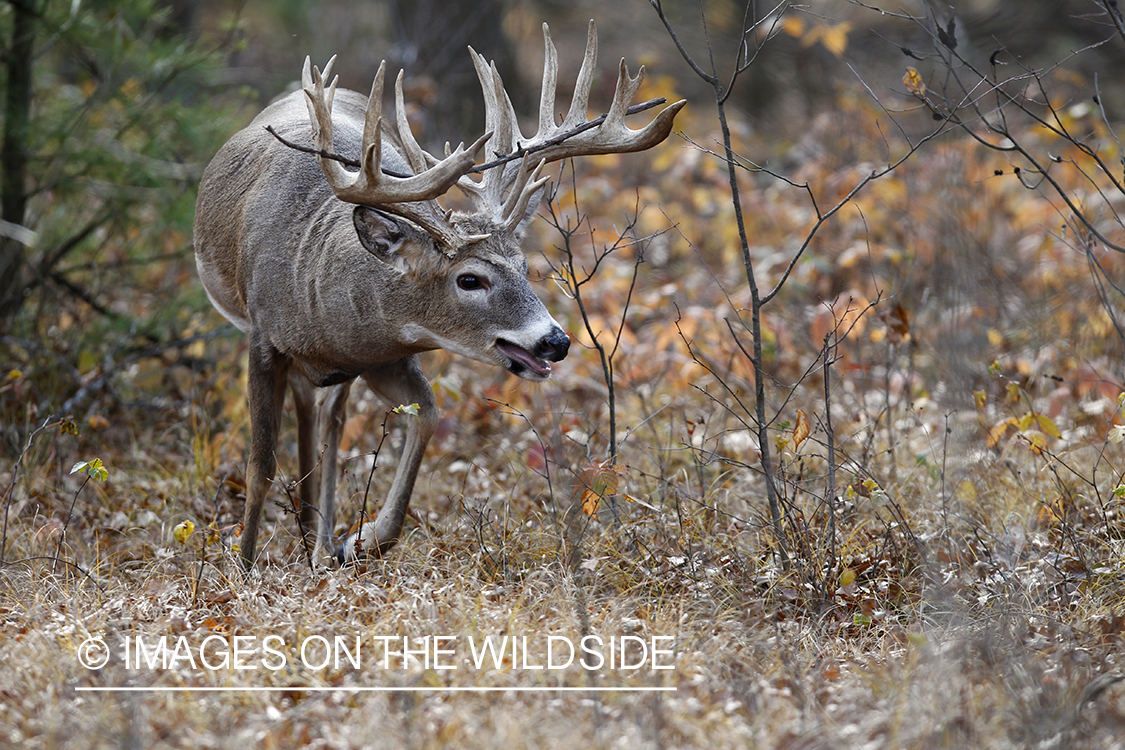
399 383
266 384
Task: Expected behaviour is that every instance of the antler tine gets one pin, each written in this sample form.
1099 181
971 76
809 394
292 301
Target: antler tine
371 148
581 99
550 82
419 158
626 89
319 104
526 186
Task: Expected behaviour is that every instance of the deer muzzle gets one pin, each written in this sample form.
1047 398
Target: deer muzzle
535 363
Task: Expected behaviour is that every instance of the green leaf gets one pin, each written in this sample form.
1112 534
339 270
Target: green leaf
94 468
411 409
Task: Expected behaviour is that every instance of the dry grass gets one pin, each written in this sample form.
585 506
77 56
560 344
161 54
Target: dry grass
979 640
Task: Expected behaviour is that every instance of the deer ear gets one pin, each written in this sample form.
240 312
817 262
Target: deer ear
381 235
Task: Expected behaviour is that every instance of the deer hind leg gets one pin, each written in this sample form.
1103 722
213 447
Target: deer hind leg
332 409
266 384
398 383
304 403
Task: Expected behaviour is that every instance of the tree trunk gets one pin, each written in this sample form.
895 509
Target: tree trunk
13 159
431 37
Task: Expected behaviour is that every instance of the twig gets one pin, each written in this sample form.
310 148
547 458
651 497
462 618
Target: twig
66 523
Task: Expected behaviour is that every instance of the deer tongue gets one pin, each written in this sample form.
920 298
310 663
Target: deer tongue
523 359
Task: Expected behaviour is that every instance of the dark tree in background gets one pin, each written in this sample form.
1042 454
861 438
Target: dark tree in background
13 159
430 38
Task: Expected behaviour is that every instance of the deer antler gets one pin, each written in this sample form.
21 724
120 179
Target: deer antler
505 191
610 137
412 198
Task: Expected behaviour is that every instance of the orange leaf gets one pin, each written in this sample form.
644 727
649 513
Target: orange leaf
998 431
590 502
801 430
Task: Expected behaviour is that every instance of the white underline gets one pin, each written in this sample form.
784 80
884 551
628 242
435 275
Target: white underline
360 689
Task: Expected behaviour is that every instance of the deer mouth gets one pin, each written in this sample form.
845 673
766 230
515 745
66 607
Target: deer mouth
523 363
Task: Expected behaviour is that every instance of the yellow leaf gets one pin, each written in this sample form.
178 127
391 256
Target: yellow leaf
801 430
981 399
1047 425
1037 441
87 361
913 82
835 38
183 531
97 422
847 576
793 26
1013 391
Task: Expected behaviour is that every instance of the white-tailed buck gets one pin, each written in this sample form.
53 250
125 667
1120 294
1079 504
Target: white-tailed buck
337 274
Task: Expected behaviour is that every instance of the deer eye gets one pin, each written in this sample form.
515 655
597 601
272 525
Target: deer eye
470 282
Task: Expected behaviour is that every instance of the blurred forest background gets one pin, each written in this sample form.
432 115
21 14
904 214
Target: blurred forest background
883 508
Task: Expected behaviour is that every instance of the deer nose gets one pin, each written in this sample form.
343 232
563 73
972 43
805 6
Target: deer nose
554 346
